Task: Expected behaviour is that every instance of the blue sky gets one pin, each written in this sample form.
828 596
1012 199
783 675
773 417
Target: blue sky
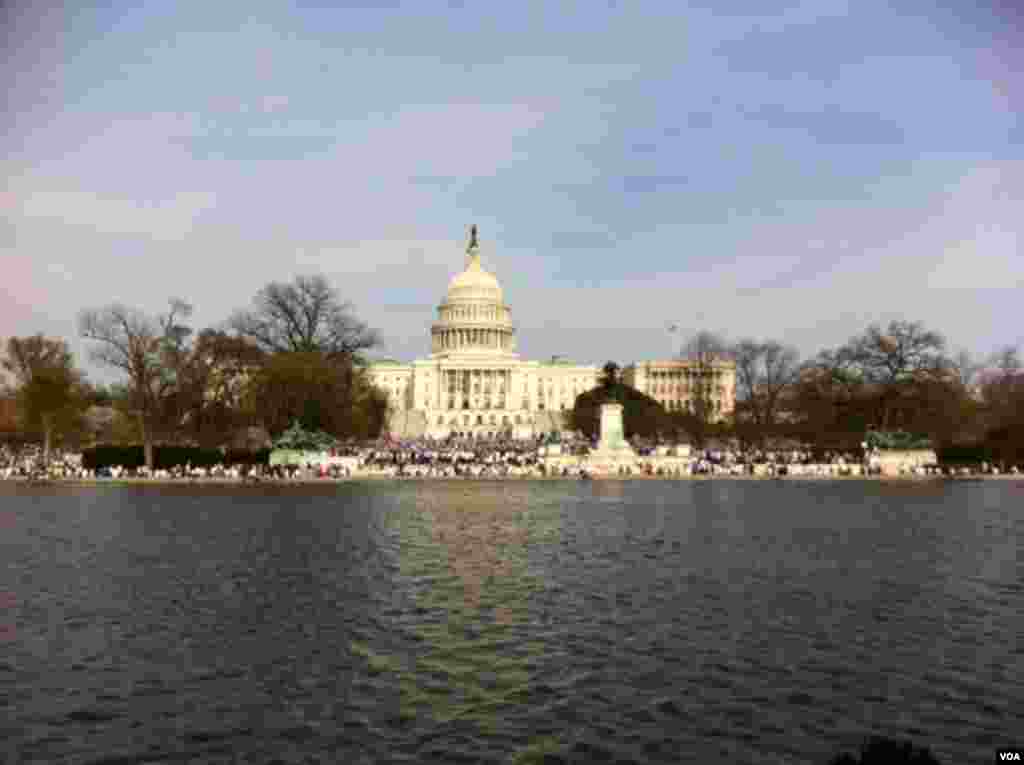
769 169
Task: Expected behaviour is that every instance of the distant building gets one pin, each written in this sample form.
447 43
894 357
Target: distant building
674 383
475 384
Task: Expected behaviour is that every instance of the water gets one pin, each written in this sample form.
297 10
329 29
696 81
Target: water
646 622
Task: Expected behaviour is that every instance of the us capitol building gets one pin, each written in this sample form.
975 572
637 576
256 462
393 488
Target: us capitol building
474 382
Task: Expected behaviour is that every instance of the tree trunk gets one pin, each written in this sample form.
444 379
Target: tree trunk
147 442
47 439
885 414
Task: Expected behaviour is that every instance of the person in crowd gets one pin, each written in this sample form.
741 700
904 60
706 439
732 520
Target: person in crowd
499 458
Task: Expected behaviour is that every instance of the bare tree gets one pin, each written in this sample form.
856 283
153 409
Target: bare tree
966 368
765 372
903 351
150 351
48 388
1003 389
896 360
1007 361
305 316
705 351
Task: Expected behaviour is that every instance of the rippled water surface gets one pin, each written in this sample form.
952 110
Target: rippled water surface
646 622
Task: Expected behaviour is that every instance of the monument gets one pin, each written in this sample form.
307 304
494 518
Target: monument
612 438
613 451
475 384
898 453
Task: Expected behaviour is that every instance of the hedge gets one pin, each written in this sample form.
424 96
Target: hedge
166 457
964 454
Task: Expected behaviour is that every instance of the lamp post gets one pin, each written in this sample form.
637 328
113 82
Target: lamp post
675 326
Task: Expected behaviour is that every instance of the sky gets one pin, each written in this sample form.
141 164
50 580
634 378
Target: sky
774 170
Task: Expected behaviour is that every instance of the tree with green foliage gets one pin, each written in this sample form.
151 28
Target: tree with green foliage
323 393
49 390
297 438
213 385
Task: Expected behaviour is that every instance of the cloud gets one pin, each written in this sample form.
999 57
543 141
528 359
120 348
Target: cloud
980 231
586 240
465 140
390 257
756 173
830 124
167 219
642 183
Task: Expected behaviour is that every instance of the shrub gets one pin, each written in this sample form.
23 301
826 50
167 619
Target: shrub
166 457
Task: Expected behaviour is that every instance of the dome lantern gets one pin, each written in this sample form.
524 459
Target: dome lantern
473 316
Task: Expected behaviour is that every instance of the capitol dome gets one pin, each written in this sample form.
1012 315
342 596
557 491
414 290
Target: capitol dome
473 317
475 284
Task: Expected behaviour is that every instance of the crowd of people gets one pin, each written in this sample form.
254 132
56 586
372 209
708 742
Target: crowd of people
474 458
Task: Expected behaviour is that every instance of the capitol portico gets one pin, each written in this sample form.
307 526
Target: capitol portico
474 382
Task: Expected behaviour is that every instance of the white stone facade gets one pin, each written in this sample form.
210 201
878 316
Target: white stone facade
673 383
474 382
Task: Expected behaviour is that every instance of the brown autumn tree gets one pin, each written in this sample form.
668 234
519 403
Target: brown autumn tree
896 362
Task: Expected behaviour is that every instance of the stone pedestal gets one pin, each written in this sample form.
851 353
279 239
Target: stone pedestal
612 433
613 451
